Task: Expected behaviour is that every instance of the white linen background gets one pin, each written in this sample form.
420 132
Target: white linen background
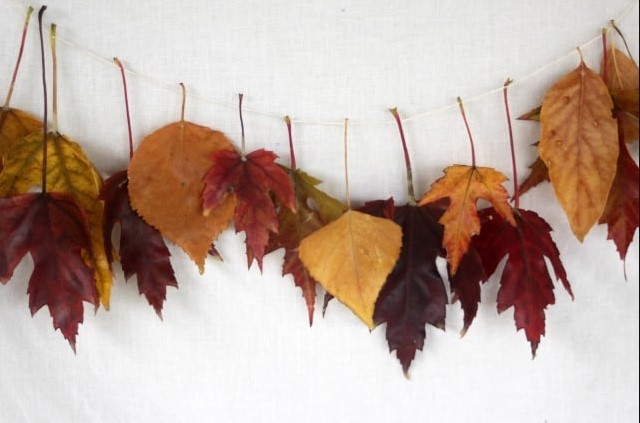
235 344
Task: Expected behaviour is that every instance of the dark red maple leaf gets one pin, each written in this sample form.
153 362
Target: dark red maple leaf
53 229
465 285
621 211
525 283
414 293
252 178
143 251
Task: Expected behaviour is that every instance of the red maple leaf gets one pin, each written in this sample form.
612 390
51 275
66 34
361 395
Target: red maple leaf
525 283
621 212
414 293
465 285
143 251
252 178
53 229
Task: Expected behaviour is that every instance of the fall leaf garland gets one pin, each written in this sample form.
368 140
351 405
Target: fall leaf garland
187 183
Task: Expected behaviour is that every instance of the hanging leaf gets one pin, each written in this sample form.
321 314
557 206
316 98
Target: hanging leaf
465 285
15 125
579 145
142 248
251 178
53 230
351 257
314 209
414 293
165 186
464 185
525 283
70 171
621 212
621 76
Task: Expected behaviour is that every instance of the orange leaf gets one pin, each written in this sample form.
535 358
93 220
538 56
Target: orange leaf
464 185
579 145
622 81
351 258
165 186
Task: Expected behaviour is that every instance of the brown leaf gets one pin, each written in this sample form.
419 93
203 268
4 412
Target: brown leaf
165 186
579 145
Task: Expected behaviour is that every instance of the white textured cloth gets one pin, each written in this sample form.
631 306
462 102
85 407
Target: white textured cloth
235 345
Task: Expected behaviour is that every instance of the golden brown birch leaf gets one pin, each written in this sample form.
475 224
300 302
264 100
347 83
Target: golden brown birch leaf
70 171
165 186
464 185
351 258
579 145
621 77
15 125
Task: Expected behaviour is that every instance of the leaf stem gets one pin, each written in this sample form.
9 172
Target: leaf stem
184 101
19 59
516 193
54 66
287 121
624 40
44 119
466 124
240 97
407 160
126 104
346 163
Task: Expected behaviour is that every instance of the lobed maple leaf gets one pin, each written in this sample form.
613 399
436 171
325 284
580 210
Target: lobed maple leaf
525 283
464 185
165 185
314 209
621 211
465 285
251 179
53 229
142 248
68 170
351 257
414 293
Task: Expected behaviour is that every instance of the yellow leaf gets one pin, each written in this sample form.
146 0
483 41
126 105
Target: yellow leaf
68 170
351 257
464 185
579 145
165 186
14 125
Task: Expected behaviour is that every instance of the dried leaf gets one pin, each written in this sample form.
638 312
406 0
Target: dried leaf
142 248
465 285
15 125
314 209
525 283
621 212
622 82
464 185
53 229
579 145
69 171
251 178
351 257
414 293
165 186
